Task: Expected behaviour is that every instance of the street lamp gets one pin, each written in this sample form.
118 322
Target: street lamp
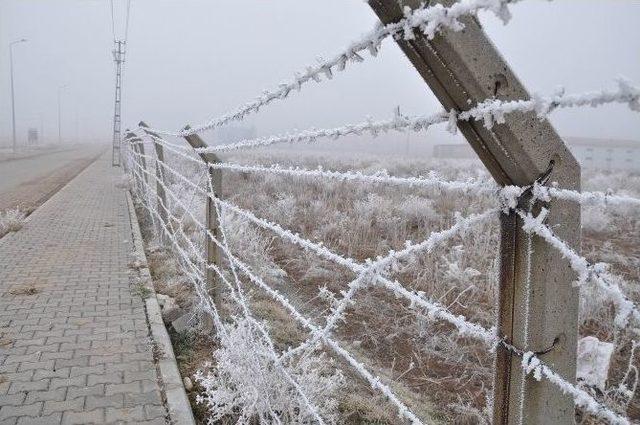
60 88
13 102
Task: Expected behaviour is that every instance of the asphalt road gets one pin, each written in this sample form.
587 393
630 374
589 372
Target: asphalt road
28 182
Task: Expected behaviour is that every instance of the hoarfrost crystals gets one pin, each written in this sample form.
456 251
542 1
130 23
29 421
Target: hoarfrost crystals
245 383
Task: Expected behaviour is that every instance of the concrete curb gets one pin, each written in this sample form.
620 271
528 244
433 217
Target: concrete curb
177 402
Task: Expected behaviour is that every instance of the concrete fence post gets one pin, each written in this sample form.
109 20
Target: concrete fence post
213 252
143 160
538 306
137 175
161 182
123 160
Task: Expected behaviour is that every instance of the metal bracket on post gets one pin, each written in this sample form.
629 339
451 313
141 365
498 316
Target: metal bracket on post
538 306
213 221
160 181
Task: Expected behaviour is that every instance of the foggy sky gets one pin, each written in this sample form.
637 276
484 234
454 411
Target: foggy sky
192 60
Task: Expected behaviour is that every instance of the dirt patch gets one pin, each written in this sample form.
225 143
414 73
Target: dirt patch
192 351
26 289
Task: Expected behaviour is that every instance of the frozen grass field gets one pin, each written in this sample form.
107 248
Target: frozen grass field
440 375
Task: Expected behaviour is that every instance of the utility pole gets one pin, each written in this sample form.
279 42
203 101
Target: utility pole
118 57
13 102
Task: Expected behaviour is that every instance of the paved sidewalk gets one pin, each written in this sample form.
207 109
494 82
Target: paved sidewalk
74 339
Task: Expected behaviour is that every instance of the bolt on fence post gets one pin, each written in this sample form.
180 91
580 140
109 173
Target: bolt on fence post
538 305
213 253
160 182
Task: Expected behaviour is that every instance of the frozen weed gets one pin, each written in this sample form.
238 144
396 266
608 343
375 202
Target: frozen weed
11 221
245 384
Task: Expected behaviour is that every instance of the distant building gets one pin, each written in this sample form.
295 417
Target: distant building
603 154
606 154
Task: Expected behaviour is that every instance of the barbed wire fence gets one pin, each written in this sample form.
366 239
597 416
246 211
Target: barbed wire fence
209 263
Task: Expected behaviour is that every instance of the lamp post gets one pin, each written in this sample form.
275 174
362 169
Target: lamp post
60 88
13 102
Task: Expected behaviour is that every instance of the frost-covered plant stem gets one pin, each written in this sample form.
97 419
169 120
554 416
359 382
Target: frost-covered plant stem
11 221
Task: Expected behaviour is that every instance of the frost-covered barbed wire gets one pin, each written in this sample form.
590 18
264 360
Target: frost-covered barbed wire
360 368
428 20
433 309
490 111
374 128
193 273
431 181
376 269
200 286
581 398
578 263
593 270
507 194
609 198
493 111
533 365
597 273
374 381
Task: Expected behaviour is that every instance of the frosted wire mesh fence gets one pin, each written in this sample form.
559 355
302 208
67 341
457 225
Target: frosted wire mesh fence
174 191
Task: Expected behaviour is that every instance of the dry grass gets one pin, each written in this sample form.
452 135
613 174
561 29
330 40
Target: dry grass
443 377
11 221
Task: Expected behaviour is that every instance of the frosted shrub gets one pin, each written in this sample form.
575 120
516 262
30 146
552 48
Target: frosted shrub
246 240
418 210
11 221
376 207
246 385
285 207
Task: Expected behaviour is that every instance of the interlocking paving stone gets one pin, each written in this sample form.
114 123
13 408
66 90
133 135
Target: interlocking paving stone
74 335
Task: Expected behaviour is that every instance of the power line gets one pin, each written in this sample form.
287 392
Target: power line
113 23
126 29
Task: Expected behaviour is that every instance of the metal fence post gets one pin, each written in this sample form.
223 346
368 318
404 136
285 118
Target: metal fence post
213 253
538 311
160 181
